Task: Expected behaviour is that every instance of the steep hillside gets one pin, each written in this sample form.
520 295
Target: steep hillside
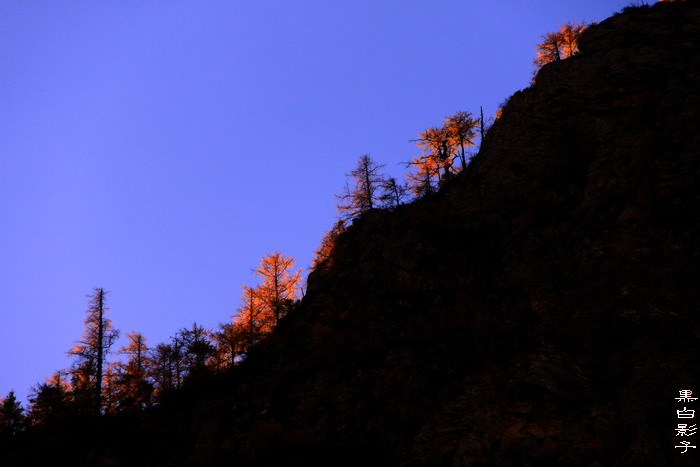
542 309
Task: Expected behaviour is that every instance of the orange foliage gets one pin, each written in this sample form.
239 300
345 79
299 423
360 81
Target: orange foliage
560 44
328 243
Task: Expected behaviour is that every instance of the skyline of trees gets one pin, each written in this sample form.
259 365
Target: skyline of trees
142 376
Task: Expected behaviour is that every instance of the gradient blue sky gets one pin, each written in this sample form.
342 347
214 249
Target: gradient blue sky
159 149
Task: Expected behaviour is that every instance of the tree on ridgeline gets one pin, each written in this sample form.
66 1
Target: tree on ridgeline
197 348
228 342
393 193
91 352
249 320
133 388
424 181
322 255
12 419
460 129
280 286
363 195
559 45
50 400
161 369
435 164
438 150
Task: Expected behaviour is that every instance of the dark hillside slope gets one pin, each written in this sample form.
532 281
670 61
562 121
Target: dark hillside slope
542 309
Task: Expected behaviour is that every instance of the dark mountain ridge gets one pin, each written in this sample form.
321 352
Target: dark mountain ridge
541 309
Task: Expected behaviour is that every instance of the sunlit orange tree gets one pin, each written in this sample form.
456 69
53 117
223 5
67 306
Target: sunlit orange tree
280 285
461 131
328 242
249 321
560 44
435 163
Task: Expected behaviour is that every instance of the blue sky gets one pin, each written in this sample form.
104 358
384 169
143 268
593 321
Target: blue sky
159 149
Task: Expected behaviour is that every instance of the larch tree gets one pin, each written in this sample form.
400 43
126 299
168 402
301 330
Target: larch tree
280 285
49 400
249 320
393 193
92 349
228 342
197 348
559 45
161 368
438 150
133 388
435 164
322 255
363 195
461 131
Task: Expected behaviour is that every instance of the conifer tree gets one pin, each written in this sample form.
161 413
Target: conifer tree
249 321
435 163
322 254
91 351
460 129
134 389
424 180
11 416
560 44
161 368
280 285
197 347
393 193
49 400
228 343
363 195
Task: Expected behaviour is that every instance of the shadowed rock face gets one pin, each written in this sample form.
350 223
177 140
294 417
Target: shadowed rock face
542 309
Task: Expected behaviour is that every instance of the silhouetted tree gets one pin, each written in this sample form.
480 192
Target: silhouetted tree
49 401
393 193
197 347
11 416
228 342
92 348
363 194
161 368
